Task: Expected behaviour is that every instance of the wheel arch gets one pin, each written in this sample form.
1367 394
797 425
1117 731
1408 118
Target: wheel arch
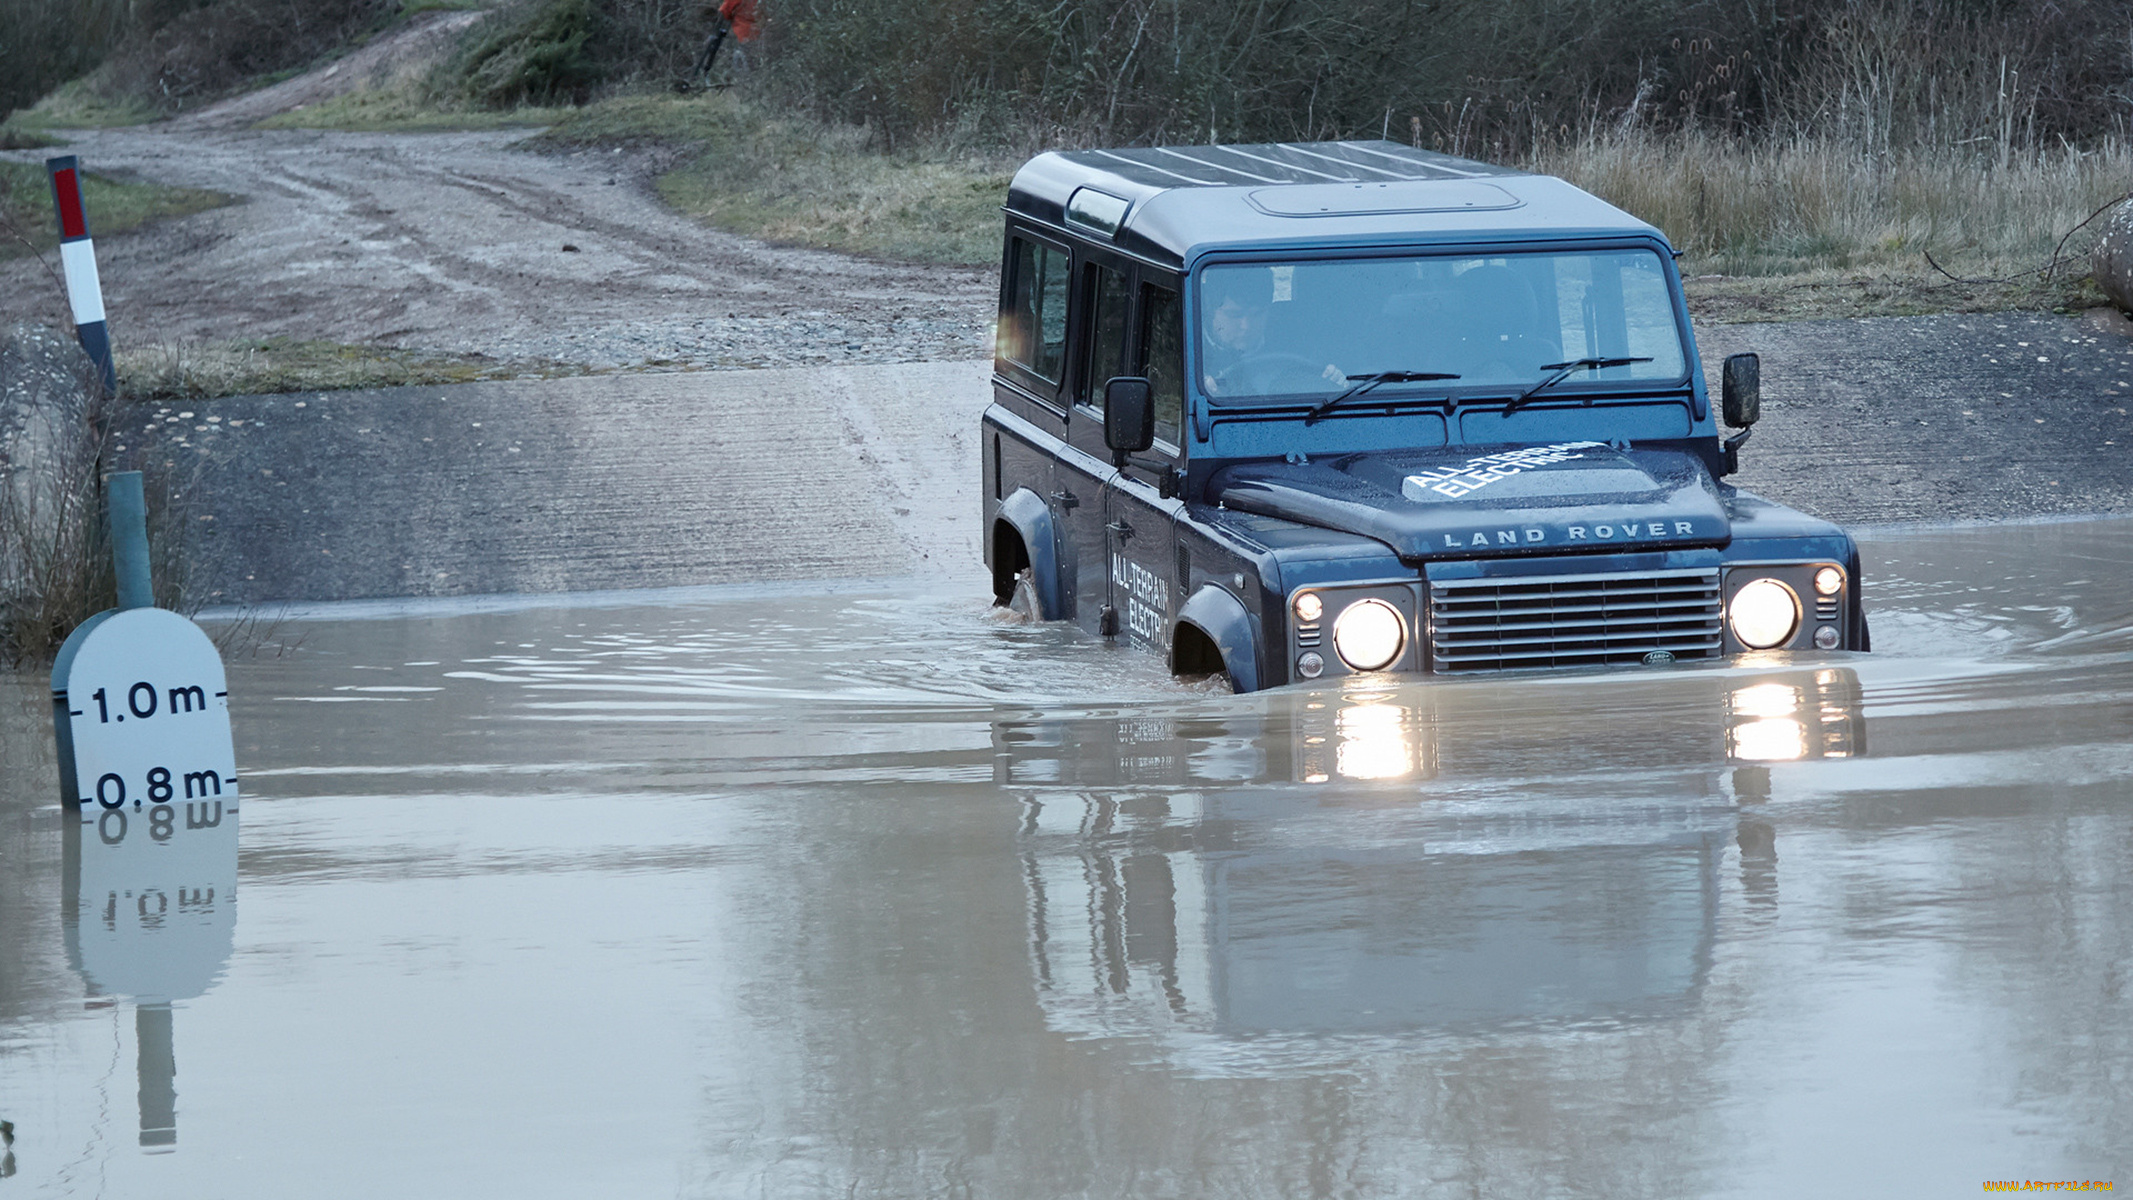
1212 623
1023 536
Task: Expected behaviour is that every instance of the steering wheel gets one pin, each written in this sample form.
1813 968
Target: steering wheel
1265 366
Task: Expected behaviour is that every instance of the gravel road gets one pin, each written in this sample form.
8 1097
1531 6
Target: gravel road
456 242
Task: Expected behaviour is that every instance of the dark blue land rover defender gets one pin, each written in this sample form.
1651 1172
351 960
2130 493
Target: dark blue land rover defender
1300 411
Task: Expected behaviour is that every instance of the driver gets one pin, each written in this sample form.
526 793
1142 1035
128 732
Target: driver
1238 361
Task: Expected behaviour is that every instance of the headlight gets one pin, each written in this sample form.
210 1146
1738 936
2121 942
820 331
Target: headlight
1368 635
1763 614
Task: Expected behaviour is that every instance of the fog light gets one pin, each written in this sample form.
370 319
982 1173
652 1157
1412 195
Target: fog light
1310 665
1368 635
1763 614
1309 608
1829 581
1826 638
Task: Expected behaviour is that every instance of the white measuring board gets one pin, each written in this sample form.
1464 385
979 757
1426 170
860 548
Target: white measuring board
148 713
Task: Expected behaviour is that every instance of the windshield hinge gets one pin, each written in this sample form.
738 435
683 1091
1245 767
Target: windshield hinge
1730 449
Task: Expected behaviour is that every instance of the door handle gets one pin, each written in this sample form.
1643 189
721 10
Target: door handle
1067 501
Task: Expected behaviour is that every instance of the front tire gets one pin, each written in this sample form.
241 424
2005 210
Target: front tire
1023 600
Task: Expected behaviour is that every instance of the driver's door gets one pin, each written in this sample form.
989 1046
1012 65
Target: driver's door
1146 584
1086 472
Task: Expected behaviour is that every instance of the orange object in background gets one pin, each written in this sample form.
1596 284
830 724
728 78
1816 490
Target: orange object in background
741 15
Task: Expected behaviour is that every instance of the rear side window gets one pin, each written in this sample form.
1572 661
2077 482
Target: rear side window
1033 326
1163 355
1107 299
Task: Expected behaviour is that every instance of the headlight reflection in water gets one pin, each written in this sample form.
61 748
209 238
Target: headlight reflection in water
1787 722
1361 736
1375 741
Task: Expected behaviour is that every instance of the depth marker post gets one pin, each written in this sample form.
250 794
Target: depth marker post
127 503
77 255
140 703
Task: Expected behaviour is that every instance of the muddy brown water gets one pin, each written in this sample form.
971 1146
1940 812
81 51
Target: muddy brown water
828 892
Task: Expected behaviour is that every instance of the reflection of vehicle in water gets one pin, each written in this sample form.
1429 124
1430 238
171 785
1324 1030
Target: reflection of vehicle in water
1186 888
151 914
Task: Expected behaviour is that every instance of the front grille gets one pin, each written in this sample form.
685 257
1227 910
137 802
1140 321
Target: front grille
1573 620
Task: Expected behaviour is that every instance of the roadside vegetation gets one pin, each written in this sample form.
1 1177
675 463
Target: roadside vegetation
172 371
113 206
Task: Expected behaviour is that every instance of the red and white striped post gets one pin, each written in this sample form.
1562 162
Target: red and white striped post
77 254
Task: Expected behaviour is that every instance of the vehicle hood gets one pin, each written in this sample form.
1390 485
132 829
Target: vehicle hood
1483 501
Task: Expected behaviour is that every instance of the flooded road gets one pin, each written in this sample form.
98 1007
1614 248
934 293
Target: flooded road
816 892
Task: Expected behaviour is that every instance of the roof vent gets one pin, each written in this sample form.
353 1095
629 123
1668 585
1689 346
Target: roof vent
1364 199
1096 211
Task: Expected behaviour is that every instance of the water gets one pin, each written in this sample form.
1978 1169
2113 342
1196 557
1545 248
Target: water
868 893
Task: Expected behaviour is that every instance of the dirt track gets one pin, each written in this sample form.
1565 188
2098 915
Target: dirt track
455 242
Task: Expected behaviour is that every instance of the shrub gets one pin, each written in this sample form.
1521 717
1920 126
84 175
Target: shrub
535 53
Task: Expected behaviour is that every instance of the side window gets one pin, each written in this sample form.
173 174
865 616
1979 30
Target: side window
1033 329
1163 359
1106 346
1020 303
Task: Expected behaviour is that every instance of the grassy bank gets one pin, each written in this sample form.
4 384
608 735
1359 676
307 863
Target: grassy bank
1813 229
261 366
408 111
112 207
801 182
1795 230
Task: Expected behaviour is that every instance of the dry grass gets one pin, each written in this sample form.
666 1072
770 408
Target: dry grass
52 535
406 110
78 104
798 183
27 222
55 545
197 371
1748 209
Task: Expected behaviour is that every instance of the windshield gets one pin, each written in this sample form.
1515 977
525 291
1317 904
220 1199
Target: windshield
1312 328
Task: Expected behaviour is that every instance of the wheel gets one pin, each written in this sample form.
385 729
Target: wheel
1023 601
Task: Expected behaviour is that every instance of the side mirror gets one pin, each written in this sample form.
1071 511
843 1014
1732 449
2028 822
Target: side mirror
1741 392
1129 415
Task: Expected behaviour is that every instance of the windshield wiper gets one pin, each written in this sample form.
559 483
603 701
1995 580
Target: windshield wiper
1359 384
1563 370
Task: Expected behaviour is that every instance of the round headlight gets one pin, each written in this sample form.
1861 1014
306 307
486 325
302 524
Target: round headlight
1764 614
1309 608
1829 581
1368 635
